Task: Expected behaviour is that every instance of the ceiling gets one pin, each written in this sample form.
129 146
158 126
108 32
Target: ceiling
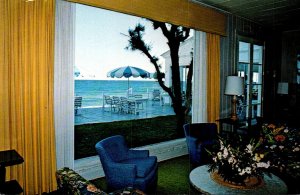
283 15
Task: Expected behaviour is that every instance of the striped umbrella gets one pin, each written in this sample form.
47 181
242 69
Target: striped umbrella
128 71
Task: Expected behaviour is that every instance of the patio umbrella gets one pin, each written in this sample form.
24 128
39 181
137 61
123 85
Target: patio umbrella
128 71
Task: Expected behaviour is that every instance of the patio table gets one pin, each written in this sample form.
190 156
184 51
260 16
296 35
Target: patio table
137 100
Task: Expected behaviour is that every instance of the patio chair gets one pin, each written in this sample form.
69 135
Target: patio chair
199 137
139 104
132 107
107 100
77 103
124 105
156 96
116 103
124 167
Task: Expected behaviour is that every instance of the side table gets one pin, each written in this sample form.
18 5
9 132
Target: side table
9 158
234 123
200 179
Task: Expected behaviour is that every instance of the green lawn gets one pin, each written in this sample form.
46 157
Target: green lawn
136 132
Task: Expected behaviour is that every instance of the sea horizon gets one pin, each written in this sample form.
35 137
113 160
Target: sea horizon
115 79
92 91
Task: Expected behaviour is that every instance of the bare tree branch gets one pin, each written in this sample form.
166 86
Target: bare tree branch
136 42
175 36
163 28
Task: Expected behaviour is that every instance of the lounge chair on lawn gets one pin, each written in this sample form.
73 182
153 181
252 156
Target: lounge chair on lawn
77 103
156 96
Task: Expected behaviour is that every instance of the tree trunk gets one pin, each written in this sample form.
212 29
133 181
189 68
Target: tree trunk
188 95
177 101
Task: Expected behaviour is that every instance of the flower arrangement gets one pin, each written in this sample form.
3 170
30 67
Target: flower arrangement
283 146
277 149
237 160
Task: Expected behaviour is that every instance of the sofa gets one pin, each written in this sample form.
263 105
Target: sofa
70 182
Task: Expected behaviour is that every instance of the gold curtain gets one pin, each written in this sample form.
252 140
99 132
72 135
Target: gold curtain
213 77
179 12
26 91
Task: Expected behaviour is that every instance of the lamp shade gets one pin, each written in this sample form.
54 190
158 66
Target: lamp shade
283 88
234 85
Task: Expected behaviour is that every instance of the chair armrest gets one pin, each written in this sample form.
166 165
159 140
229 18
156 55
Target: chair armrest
120 170
137 154
191 140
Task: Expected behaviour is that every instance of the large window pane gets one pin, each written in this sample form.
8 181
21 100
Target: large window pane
244 52
146 116
250 67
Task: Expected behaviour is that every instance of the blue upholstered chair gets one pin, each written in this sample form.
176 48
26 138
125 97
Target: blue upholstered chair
124 167
198 137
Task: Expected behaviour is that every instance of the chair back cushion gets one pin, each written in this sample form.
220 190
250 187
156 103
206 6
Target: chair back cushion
114 147
202 131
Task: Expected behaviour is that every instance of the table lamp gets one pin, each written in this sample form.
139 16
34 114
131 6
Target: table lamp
234 86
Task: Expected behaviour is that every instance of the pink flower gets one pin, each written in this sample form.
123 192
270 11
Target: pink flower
271 126
280 138
92 188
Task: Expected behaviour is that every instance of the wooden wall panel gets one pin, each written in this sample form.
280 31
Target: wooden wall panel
235 26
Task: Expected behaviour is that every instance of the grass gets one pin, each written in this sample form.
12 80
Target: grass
136 132
173 177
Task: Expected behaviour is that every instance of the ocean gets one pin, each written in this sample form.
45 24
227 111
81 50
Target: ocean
92 91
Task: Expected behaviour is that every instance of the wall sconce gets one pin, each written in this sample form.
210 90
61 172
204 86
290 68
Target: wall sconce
283 88
234 86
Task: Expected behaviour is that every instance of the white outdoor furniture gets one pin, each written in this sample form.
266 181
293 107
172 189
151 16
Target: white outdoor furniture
134 101
107 100
77 104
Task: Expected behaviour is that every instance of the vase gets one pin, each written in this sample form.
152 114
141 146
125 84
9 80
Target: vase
249 182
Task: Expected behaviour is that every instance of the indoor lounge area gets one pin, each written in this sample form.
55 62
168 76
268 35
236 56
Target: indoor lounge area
245 86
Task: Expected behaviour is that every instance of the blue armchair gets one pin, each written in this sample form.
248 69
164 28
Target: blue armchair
200 136
124 167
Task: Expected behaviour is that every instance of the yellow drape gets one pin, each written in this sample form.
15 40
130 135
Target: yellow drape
26 91
213 77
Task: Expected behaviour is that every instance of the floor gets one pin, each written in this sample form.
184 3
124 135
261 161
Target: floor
98 114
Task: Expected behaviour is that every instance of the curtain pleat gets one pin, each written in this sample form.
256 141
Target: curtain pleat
213 77
26 91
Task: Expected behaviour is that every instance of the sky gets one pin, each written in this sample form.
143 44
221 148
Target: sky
100 42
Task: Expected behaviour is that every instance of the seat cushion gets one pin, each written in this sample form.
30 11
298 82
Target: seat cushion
144 165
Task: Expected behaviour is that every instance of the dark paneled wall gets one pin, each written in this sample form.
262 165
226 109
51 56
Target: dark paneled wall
235 26
271 72
290 48
280 66
279 61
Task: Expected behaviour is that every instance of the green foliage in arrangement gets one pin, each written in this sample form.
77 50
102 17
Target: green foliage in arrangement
283 146
136 132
